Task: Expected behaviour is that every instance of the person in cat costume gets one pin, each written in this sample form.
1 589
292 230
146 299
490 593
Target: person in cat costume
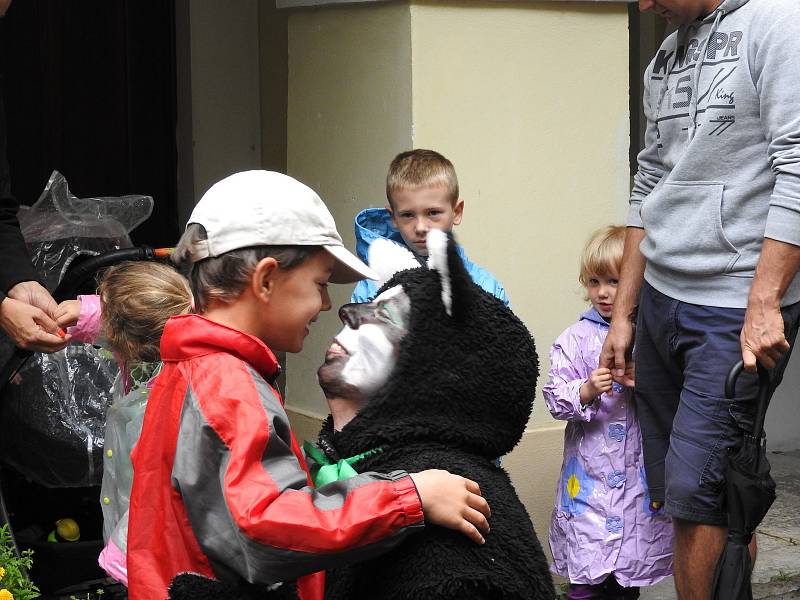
434 373
452 389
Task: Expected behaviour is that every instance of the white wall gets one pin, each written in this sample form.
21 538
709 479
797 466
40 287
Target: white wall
349 114
783 417
529 100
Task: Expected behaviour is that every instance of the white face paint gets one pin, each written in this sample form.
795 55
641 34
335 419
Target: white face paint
371 357
372 346
367 347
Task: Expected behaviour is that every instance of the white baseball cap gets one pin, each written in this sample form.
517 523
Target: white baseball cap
265 208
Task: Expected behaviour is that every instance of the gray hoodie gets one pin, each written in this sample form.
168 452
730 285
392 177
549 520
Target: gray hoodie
721 165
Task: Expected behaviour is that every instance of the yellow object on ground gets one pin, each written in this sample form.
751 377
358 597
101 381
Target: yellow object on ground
67 530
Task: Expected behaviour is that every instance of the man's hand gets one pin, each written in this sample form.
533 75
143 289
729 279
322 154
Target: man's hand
599 382
33 293
453 502
615 354
762 336
30 327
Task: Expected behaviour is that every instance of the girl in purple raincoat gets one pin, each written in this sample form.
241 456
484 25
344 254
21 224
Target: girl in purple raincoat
606 537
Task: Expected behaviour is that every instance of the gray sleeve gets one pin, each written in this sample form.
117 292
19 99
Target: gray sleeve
776 73
650 169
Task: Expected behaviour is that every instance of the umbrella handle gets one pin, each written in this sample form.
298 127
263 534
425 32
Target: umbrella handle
763 393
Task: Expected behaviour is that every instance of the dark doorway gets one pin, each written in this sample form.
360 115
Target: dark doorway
90 91
647 31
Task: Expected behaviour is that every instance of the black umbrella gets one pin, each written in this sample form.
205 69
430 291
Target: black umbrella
750 493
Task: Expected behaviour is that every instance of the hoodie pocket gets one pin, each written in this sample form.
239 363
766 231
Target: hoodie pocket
683 222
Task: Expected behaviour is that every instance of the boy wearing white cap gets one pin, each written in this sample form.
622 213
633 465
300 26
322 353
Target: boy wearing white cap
220 485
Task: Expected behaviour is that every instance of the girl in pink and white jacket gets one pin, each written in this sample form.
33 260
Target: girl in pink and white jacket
606 537
127 316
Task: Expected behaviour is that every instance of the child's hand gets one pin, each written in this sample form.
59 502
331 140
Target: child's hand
68 312
599 382
453 502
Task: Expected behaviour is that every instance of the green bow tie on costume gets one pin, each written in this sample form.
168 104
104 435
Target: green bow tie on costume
325 471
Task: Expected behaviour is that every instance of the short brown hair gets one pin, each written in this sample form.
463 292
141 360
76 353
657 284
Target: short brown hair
136 299
421 168
222 278
603 253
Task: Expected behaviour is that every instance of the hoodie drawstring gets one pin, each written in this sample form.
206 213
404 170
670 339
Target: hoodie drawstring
681 37
696 76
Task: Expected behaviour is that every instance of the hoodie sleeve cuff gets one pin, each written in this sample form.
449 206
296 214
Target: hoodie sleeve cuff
783 220
634 214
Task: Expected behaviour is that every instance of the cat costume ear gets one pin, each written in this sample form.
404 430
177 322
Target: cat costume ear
458 291
437 244
387 258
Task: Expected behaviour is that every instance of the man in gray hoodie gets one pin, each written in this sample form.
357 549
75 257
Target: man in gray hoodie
712 251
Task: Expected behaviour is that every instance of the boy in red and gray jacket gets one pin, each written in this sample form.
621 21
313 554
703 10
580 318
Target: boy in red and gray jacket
221 488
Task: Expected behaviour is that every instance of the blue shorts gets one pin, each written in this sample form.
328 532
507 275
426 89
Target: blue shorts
683 353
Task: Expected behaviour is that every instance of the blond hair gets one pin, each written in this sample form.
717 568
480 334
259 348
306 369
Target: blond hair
136 299
603 253
421 168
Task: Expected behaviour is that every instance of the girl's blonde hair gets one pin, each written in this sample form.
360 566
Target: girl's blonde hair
603 253
136 299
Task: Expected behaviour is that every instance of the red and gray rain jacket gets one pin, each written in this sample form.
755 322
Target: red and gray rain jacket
220 484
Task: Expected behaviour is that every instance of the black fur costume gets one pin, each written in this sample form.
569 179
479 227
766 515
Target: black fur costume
188 586
459 397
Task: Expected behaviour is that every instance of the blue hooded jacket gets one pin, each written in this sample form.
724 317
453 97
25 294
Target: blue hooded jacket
374 223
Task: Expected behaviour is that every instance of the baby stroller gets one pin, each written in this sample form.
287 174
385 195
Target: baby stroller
52 407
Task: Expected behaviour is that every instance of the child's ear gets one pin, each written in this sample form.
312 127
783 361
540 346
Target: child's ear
263 278
391 215
458 211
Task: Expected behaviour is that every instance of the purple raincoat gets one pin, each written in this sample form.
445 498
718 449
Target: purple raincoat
602 522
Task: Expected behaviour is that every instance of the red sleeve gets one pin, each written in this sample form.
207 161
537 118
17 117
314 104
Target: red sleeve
247 492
